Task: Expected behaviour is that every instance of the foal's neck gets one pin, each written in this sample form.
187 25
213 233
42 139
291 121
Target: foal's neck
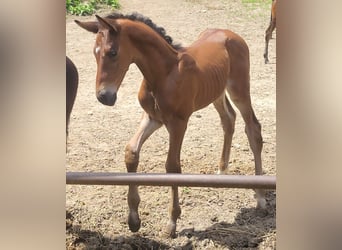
152 54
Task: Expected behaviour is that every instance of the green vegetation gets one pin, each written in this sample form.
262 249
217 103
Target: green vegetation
257 1
257 8
83 8
186 190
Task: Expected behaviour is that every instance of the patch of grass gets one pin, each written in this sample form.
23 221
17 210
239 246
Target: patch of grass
186 190
255 5
257 1
84 8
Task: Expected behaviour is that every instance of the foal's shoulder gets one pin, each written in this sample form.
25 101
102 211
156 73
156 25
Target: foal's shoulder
186 62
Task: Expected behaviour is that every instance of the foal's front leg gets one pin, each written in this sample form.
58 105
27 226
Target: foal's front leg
146 128
176 129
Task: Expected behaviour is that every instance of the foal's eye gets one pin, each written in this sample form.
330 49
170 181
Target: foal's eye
112 53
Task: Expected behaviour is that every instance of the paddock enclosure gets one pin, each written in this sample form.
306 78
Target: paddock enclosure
212 218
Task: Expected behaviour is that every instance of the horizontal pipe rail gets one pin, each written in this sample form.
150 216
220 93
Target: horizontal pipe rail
189 180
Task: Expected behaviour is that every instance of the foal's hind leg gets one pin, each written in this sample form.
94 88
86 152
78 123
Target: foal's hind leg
253 131
227 116
146 128
241 98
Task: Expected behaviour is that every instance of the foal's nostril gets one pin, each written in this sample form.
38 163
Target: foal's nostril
106 97
113 99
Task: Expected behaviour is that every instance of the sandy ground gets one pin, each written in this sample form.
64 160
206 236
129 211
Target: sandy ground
211 218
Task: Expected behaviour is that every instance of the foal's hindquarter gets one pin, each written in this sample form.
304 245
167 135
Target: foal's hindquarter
217 62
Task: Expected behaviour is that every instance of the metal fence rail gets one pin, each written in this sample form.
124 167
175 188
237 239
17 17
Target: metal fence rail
189 180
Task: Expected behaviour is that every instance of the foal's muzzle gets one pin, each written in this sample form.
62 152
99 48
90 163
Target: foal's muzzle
106 97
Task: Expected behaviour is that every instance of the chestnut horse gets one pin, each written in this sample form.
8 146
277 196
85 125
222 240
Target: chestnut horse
177 81
270 29
71 88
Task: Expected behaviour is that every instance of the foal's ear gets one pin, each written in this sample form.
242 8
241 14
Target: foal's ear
90 26
107 25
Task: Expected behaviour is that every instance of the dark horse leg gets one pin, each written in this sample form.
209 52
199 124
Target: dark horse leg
71 88
268 36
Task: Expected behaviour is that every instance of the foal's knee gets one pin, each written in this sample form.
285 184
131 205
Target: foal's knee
131 158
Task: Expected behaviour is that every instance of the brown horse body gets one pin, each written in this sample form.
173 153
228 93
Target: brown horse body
270 29
177 81
71 88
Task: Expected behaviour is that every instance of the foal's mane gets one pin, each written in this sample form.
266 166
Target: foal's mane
140 18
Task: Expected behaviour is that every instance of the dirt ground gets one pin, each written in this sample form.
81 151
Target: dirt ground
211 218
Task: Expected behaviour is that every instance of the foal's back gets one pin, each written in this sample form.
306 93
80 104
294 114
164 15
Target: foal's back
220 38
220 47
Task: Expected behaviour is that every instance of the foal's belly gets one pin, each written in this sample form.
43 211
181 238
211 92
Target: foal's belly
209 88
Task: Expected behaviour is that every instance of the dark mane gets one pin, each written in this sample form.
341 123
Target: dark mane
140 18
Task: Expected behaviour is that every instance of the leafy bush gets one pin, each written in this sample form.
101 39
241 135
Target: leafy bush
83 8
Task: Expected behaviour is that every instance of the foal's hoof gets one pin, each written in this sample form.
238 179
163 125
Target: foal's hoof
261 210
222 172
170 231
260 198
134 223
261 203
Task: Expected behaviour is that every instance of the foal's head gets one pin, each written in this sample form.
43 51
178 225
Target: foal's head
112 57
114 51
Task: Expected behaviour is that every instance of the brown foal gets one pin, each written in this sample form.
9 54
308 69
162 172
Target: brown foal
177 81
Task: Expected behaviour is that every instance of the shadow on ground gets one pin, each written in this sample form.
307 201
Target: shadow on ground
250 228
